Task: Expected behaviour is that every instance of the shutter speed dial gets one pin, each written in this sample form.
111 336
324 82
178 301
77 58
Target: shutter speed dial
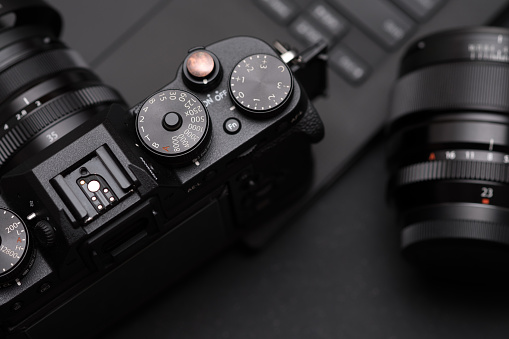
174 124
261 84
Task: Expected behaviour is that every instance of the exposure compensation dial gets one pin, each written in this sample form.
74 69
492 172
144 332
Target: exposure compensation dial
16 254
174 124
261 84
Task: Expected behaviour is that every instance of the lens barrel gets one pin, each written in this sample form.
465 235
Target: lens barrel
46 89
448 152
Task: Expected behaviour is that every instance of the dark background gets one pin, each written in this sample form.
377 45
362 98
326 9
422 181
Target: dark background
334 272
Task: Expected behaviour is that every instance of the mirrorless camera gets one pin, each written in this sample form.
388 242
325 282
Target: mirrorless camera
103 206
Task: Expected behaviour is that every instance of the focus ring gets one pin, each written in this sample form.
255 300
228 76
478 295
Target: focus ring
36 67
67 104
448 170
454 229
476 86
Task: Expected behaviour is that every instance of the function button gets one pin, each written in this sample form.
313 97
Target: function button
389 25
328 18
282 11
419 9
232 126
200 64
307 31
348 65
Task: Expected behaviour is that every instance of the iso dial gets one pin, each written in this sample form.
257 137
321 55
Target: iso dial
261 84
16 256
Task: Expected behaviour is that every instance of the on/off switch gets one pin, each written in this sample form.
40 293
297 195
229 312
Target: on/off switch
201 70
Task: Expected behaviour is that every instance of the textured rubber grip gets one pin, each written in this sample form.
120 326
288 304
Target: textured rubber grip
450 170
39 66
453 86
14 138
454 229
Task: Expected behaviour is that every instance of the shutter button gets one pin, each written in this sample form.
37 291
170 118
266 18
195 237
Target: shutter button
201 70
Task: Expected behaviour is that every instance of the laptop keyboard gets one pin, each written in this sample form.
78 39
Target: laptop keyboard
360 33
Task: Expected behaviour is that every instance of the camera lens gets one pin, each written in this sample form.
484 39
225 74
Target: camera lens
46 89
448 152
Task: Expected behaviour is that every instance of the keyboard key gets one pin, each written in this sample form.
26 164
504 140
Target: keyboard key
283 11
307 31
380 18
366 48
348 65
419 9
328 18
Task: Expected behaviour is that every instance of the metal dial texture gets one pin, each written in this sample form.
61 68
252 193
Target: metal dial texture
173 124
13 241
261 83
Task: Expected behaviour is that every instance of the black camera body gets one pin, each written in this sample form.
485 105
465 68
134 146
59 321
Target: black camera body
132 199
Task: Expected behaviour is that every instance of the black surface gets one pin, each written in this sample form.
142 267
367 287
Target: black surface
336 272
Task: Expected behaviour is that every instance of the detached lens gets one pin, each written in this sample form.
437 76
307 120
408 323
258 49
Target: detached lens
449 152
46 89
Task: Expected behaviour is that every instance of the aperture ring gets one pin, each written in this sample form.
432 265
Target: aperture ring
39 66
14 138
453 86
452 169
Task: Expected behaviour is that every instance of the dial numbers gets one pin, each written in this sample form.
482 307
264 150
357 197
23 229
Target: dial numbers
260 83
13 241
172 123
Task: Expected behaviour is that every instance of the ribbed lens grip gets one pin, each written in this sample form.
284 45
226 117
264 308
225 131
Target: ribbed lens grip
37 67
450 170
454 229
463 85
72 102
